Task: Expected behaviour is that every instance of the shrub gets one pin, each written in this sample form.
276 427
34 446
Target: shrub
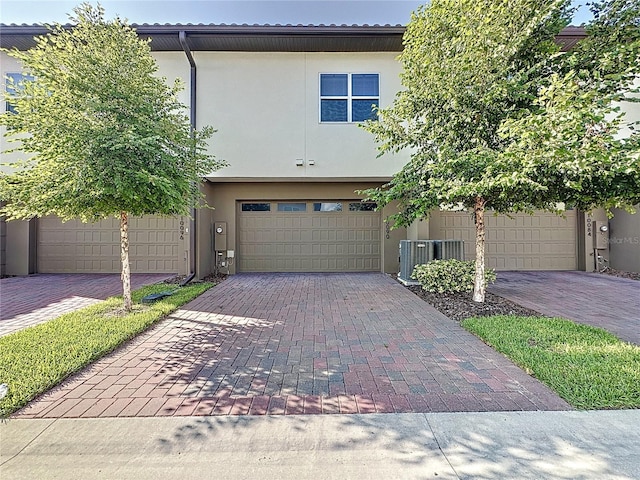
449 276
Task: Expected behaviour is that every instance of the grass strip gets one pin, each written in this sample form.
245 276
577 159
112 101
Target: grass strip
36 359
587 366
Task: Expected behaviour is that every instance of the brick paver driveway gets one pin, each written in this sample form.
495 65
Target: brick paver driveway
600 300
300 343
27 301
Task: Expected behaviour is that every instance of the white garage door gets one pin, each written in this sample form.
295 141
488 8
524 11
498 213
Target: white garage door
308 236
542 241
76 247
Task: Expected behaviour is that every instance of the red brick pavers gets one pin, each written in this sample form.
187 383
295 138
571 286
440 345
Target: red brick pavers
603 301
286 344
27 301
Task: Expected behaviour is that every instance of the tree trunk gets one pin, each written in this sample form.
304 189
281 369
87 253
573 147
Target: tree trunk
124 256
479 284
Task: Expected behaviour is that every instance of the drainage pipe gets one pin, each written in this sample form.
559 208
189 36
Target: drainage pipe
182 36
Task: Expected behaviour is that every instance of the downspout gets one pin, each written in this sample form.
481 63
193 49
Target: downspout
182 36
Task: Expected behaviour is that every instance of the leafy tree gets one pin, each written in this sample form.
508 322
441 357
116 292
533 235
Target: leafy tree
477 75
577 138
104 135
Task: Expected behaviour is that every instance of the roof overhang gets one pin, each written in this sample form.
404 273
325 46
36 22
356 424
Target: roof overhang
262 38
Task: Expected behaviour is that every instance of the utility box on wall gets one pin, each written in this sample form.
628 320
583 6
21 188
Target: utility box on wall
600 235
220 236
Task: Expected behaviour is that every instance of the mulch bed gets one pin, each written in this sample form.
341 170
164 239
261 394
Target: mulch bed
621 274
458 306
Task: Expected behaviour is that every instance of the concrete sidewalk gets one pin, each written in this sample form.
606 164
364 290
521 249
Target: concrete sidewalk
558 445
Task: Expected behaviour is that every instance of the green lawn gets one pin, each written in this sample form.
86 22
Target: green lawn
588 367
35 359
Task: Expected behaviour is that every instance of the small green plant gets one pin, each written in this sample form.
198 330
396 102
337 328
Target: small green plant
449 276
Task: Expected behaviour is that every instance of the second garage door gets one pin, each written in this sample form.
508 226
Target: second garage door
76 247
542 241
309 236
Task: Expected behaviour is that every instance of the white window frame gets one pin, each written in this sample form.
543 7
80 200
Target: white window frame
349 97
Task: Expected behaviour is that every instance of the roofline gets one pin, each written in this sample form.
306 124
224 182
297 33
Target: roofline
21 36
300 29
232 29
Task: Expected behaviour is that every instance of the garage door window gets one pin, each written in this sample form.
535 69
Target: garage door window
292 207
256 207
327 207
362 207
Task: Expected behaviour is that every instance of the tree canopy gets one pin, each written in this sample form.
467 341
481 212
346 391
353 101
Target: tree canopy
497 117
103 134
576 140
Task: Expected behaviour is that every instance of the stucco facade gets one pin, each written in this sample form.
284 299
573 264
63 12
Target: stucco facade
260 88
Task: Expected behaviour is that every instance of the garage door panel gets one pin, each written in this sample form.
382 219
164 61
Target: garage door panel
76 247
308 240
543 241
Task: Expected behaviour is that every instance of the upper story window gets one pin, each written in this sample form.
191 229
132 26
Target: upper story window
348 97
12 85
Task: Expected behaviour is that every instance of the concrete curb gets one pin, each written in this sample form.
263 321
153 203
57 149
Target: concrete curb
594 444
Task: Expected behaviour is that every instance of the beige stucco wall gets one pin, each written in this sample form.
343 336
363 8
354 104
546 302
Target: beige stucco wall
17 256
172 66
224 196
7 65
265 107
624 228
624 240
631 110
418 230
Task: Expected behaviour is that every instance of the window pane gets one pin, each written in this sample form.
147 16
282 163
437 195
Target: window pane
256 207
362 110
333 85
13 80
362 207
327 207
292 207
333 110
364 85
12 85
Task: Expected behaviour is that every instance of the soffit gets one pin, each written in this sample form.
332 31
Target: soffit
263 38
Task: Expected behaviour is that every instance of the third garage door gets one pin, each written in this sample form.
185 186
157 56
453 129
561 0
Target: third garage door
542 241
309 236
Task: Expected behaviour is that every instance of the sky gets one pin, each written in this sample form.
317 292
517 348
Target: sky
306 12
